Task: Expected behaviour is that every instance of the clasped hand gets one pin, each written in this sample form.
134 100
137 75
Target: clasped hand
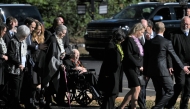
43 46
186 69
81 69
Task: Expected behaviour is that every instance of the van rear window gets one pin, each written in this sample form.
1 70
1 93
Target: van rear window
21 12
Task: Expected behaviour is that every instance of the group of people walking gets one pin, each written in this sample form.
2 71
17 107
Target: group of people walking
146 54
32 60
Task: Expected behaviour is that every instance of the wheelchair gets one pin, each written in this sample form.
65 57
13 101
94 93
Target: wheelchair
82 88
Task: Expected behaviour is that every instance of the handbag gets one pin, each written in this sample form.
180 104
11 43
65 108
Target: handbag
140 77
142 80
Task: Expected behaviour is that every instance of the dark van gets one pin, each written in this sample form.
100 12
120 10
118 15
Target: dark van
19 11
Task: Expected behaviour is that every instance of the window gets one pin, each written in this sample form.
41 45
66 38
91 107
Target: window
178 12
2 16
135 12
21 12
128 13
165 13
146 11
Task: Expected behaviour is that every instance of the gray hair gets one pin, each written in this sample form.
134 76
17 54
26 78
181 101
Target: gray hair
73 51
60 28
22 31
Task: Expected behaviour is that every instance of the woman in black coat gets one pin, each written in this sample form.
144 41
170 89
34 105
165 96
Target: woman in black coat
3 52
133 62
111 74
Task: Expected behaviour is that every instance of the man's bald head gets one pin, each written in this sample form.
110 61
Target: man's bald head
144 23
75 54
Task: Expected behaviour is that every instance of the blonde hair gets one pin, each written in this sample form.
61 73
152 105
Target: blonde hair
38 38
135 28
159 27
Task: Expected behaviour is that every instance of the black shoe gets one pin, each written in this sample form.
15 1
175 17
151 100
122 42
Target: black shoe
63 104
31 106
42 102
169 107
47 107
129 107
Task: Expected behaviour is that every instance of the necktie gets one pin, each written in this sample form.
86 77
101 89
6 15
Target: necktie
28 40
11 33
186 33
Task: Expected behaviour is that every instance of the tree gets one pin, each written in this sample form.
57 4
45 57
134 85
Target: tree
76 24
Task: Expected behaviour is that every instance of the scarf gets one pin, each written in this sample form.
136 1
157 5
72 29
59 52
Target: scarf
120 50
138 45
3 45
23 48
60 43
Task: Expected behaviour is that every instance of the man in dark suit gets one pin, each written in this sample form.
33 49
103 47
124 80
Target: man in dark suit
181 42
148 34
155 65
10 30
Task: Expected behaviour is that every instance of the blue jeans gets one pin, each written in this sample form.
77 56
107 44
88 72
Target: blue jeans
142 97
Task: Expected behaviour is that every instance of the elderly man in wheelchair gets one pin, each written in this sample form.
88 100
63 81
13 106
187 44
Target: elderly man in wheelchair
81 82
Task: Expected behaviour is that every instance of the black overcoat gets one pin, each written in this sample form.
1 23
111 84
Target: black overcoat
52 63
7 37
111 73
181 48
1 66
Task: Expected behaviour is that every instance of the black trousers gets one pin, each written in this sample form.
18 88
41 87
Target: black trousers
108 101
182 85
28 89
15 84
63 88
162 83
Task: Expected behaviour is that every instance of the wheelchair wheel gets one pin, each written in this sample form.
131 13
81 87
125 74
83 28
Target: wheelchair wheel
69 96
100 101
83 97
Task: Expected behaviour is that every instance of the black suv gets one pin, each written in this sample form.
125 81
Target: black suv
19 11
99 32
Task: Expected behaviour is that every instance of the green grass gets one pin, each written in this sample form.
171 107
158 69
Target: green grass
149 104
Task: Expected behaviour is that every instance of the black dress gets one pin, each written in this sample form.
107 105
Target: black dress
132 61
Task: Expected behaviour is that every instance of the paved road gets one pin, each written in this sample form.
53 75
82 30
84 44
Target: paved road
91 63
